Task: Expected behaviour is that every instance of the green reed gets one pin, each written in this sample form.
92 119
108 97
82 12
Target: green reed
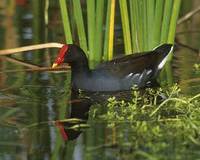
91 26
153 22
65 20
125 26
153 127
99 28
78 15
109 31
174 17
145 24
150 13
93 22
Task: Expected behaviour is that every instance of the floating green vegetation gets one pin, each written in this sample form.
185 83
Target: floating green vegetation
197 67
154 127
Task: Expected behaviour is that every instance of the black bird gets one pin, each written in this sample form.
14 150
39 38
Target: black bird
140 69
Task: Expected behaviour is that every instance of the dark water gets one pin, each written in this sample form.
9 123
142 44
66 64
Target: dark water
31 102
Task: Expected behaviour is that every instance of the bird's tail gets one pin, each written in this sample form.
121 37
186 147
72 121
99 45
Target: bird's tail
164 48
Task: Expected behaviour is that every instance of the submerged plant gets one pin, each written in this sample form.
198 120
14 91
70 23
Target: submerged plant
197 66
155 122
150 105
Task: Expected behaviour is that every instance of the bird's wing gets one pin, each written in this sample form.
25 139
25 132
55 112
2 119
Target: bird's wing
123 66
137 63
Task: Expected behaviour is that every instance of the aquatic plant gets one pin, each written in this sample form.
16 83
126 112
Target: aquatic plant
197 66
142 22
154 123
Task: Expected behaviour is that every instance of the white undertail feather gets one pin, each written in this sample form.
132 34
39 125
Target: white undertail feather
129 75
162 63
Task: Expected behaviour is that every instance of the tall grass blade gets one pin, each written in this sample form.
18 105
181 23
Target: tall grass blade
166 20
66 22
134 26
150 21
80 24
140 21
91 28
145 28
173 21
125 26
111 30
137 38
99 29
157 21
105 49
109 34
171 35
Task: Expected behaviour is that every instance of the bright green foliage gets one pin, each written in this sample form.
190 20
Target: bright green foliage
197 66
152 126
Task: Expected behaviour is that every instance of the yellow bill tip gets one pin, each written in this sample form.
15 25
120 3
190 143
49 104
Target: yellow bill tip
54 65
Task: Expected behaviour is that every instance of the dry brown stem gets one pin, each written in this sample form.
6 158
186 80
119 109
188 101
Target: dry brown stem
29 48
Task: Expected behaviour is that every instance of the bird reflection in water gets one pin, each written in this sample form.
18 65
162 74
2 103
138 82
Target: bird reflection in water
73 126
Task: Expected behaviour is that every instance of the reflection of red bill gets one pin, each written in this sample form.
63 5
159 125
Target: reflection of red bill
62 130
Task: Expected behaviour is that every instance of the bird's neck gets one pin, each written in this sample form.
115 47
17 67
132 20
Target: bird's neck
80 66
78 60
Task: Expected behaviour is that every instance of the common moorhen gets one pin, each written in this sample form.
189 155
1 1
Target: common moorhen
118 74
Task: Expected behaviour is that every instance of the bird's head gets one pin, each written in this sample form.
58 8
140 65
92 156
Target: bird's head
71 54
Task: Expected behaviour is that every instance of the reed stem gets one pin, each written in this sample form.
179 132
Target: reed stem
65 21
91 28
99 29
125 26
80 25
109 33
